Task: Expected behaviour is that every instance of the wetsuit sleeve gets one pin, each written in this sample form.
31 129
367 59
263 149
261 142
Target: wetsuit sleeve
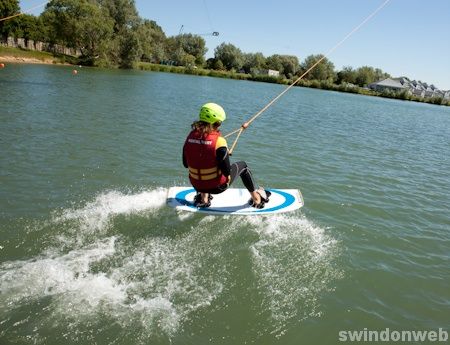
223 159
184 159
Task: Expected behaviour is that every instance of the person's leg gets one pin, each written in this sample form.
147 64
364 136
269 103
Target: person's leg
241 169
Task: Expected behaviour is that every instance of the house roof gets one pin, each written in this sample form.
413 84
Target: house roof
388 82
406 83
402 80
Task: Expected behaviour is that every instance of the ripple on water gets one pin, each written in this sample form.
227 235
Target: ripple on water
155 284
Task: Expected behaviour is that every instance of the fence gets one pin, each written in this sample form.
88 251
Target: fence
13 42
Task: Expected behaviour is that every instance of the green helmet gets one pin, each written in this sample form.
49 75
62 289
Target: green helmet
212 113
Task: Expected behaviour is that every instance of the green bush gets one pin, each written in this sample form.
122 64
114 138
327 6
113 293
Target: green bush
240 76
265 78
318 84
437 100
218 74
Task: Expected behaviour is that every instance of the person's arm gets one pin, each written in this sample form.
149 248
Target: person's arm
222 156
184 160
223 160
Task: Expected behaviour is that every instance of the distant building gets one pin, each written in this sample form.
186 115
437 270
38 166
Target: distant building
416 88
270 72
388 84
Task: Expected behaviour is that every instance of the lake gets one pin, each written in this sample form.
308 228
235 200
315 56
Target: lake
90 253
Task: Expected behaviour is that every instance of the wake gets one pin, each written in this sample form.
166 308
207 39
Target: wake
153 284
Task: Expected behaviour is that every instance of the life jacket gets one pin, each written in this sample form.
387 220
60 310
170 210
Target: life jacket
200 155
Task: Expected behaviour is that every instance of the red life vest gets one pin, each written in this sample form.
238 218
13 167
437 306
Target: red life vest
200 155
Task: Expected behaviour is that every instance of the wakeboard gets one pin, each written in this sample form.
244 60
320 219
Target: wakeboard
234 201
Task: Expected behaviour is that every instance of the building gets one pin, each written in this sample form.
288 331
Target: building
416 88
388 84
271 72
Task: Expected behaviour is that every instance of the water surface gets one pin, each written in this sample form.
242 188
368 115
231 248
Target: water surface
89 252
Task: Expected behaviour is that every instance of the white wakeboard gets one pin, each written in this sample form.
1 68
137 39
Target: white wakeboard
235 201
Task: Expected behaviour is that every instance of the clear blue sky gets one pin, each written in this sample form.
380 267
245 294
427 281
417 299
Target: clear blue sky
407 38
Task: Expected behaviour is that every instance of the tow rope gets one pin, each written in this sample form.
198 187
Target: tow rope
23 12
245 125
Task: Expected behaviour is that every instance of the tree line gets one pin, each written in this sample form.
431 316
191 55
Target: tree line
111 33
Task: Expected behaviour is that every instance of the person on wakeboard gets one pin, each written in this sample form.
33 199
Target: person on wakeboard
205 154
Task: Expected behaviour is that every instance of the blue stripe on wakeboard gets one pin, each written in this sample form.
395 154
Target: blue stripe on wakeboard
181 197
288 200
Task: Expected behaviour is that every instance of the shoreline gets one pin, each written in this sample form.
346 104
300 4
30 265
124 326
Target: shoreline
29 60
218 74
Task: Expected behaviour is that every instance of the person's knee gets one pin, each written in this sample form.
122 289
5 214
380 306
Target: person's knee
242 165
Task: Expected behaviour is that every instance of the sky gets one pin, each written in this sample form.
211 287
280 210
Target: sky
406 38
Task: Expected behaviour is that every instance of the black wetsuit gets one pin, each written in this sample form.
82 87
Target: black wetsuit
233 170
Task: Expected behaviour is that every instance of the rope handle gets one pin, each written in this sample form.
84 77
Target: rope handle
240 130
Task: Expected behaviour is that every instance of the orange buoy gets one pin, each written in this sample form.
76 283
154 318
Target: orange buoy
74 72
2 65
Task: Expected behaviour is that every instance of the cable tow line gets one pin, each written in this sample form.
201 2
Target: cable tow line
245 125
23 12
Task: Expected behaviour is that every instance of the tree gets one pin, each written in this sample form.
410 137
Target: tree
323 71
213 63
123 12
29 27
8 8
347 75
379 74
152 41
285 64
254 62
365 75
362 76
231 57
218 65
129 48
80 24
274 62
182 47
290 65
195 46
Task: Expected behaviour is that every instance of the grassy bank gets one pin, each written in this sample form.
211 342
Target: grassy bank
31 56
145 66
316 84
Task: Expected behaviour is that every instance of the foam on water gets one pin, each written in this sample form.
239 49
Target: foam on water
96 215
293 261
54 274
154 289
154 284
